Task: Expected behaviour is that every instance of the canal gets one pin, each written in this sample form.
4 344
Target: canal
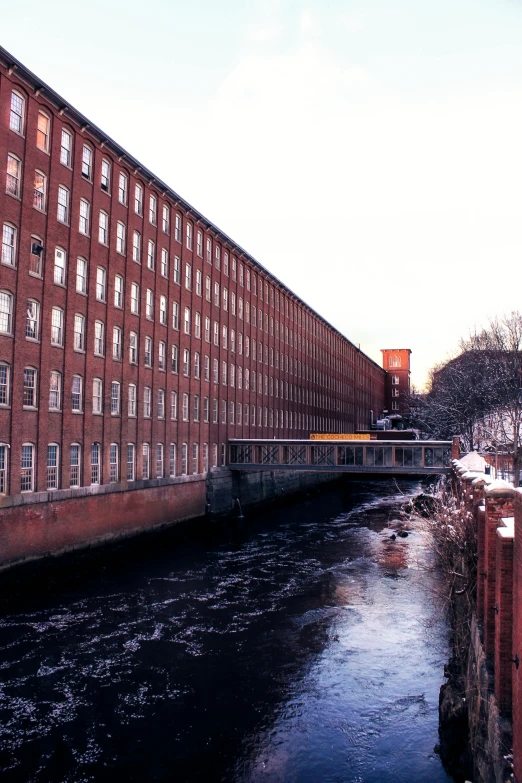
300 647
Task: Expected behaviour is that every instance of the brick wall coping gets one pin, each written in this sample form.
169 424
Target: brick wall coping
482 481
507 529
499 489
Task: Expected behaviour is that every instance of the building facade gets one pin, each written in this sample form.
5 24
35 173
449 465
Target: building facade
136 338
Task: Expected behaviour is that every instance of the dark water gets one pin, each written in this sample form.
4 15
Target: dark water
295 649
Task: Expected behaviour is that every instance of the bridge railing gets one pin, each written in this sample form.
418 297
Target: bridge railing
360 456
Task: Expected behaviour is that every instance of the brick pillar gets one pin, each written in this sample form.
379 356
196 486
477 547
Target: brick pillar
504 615
455 447
498 498
517 638
481 559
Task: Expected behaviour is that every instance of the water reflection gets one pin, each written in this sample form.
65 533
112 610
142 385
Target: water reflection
294 651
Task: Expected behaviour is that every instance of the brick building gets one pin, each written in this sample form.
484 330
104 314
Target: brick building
396 361
135 336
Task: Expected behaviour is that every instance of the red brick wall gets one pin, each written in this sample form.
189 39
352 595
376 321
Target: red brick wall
517 638
498 505
503 622
34 530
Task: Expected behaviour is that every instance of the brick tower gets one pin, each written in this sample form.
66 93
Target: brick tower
396 362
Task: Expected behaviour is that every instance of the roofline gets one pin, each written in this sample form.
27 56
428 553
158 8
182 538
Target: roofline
396 349
13 65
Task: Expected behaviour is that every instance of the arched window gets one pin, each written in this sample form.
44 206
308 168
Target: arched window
28 466
52 466
195 458
395 361
32 323
184 459
17 115
145 461
36 256
172 460
40 191
131 462
4 459
205 458
9 240
114 472
30 387
77 394
75 465
5 378
159 460
95 463
14 175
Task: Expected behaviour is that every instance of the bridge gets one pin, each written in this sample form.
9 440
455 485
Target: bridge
358 456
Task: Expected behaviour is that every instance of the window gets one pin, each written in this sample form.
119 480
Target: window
207 288
39 190
76 393
223 411
136 247
185 407
164 263
225 263
16 119
175 359
42 132
103 228
177 265
184 459
148 352
395 380
195 460
163 310
186 362
197 325
113 463
115 398
131 400
138 199
66 148
188 277
101 283
173 406
206 409
189 236
59 266
29 399
198 282
95 463
215 373
98 338
81 275
32 320
165 219
177 227
122 188
151 254
145 461
196 407
199 244
135 298
8 244
214 411
395 405
172 460
233 268
116 343
394 361
97 395
186 322
120 237
161 355
4 383
233 303
63 205
147 399
225 299
161 403
86 162
14 173
27 472
225 338
395 393
131 462
133 348
105 175
57 326
85 209
218 258
224 373
79 332
216 294
149 304
118 291
74 466
207 329
153 209
216 333
175 315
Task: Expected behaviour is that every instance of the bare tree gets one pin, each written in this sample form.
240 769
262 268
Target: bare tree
477 393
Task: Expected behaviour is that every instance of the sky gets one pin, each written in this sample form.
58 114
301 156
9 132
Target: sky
366 152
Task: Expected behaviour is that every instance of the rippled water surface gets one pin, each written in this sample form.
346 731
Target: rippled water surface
297 648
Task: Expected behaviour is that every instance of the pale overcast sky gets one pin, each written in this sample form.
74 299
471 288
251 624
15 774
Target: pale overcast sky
367 152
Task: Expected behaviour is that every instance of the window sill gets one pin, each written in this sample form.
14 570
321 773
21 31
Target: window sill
29 408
